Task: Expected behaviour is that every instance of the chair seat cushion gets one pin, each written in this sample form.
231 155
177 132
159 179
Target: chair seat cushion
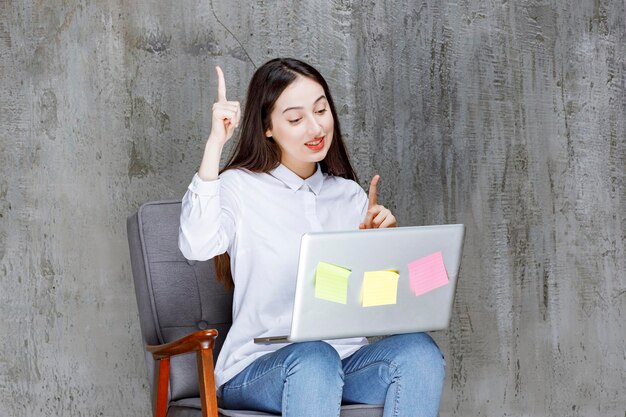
190 407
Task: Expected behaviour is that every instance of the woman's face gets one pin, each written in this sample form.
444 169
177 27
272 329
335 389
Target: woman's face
302 126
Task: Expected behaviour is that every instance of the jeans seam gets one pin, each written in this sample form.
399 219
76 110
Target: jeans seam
396 405
285 399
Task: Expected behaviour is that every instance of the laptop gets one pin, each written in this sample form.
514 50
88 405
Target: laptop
360 251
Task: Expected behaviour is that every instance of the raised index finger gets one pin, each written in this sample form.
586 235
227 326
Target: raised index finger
221 85
372 194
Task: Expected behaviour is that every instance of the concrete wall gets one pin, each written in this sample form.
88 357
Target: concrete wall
506 116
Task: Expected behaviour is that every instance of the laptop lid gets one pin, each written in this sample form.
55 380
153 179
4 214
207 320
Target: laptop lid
361 251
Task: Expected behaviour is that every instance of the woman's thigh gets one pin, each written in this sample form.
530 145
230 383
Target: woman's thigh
284 381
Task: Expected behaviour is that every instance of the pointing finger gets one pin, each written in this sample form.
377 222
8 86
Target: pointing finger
221 85
372 193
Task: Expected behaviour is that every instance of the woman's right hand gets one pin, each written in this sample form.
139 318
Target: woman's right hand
226 114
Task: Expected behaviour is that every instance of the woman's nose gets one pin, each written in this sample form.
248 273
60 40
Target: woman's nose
314 128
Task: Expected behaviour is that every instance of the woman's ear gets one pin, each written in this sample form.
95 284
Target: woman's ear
268 133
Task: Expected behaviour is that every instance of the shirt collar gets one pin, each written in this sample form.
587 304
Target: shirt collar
293 181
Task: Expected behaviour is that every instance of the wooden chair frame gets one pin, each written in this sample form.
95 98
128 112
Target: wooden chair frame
202 343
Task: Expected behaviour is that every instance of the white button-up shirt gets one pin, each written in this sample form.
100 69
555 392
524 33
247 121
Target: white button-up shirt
259 218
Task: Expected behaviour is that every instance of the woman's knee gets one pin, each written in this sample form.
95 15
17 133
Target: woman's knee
419 351
316 358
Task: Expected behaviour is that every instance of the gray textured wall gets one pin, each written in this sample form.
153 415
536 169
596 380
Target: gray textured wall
506 116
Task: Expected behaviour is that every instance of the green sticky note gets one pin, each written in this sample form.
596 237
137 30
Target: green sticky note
380 288
331 283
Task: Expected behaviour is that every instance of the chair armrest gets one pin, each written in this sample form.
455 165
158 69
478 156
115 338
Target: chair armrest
200 340
202 343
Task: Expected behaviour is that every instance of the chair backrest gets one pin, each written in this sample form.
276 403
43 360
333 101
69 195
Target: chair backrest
175 296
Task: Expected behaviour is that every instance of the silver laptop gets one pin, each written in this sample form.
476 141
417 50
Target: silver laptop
373 250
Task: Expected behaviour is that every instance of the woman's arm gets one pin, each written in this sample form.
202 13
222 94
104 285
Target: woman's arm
208 218
224 121
209 208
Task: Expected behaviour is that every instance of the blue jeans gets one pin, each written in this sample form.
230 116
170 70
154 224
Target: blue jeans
404 372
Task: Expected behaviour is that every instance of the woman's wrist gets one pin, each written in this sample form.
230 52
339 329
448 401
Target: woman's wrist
209 168
215 142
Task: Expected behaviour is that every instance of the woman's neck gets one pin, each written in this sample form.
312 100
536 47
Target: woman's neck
304 170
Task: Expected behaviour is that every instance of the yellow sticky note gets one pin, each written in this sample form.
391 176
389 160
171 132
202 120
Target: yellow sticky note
331 282
380 288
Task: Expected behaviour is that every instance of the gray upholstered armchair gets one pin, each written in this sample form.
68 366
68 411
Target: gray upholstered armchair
184 316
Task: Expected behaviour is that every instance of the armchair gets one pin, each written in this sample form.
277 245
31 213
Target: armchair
183 310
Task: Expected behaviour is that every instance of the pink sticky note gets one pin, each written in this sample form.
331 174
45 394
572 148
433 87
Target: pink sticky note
427 273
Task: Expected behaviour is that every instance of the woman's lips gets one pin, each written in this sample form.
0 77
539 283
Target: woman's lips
314 145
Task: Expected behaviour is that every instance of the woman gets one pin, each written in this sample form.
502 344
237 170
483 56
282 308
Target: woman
290 174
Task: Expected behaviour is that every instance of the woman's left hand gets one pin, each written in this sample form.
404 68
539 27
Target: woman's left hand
377 216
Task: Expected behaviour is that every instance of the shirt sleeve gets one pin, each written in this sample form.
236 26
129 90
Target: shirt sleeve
208 218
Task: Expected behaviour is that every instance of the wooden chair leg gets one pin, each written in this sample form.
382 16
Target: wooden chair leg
162 384
208 399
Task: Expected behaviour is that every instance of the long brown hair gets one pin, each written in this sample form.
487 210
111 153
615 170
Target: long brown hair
256 153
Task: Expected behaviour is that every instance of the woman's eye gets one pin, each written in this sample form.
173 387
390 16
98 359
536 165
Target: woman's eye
295 121
322 111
